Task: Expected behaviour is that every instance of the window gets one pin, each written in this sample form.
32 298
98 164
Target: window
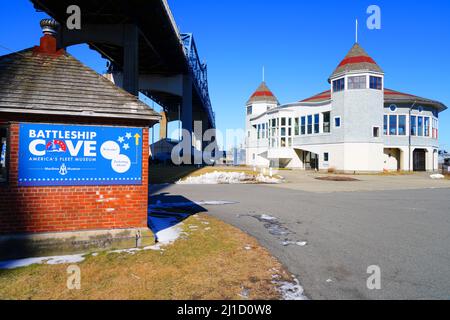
376 132
249 110
420 126
283 121
358 82
393 107
326 157
385 125
402 125
258 132
392 125
427 127
326 122
435 128
339 85
3 154
283 132
297 126
283 142
303 126
413 125
316 123
337 122
376 83
310 124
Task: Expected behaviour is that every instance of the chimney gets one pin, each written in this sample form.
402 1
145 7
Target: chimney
48 45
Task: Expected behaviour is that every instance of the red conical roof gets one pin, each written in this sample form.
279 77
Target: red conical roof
263 94
356 60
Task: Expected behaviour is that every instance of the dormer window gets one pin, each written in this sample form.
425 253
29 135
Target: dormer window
376 83
358 82
339 85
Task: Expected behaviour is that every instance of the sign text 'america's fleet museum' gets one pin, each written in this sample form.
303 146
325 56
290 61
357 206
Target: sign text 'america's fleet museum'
66 155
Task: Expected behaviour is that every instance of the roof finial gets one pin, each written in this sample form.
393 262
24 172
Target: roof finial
264 74
356 36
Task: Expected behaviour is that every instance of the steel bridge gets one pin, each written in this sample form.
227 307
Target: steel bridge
146 53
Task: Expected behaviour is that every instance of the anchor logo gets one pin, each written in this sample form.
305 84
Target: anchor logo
63 170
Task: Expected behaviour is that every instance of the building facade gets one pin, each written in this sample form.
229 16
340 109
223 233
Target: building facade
357 125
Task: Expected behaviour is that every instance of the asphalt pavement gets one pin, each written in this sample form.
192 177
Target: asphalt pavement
329 240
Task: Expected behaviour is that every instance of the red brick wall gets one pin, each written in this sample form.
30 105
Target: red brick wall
57 209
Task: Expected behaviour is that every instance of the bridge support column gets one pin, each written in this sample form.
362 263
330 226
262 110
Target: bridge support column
163 126
186 107
131 59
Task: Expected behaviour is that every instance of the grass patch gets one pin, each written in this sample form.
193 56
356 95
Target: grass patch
206 170
170 174
210 262
337 179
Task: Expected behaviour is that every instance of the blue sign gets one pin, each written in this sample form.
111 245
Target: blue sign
66 155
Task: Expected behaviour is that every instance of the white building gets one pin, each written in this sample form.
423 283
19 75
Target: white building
357 125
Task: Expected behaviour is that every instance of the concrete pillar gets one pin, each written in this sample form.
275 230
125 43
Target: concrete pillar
131 60
186 108
163 126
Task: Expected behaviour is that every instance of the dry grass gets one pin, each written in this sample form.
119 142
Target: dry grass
206 170
337 179
170 174
396 173
206 264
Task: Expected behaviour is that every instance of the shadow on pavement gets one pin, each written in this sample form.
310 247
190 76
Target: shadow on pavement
166 211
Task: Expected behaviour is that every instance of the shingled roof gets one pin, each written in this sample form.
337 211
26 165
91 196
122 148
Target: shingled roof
263 94
59 84
356 59
390 96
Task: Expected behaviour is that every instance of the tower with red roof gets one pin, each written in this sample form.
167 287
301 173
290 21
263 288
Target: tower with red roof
357 92
261 101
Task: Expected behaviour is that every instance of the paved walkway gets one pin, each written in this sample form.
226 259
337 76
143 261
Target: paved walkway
306 181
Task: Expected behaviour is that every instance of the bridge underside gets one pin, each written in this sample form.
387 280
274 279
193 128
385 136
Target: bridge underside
146 52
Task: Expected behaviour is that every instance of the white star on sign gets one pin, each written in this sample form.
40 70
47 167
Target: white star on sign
126 146
121 140
128 135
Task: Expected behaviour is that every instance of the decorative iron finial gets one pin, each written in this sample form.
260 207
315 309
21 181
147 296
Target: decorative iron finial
49 26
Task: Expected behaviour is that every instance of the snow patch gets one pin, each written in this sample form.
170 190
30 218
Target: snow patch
19 263
298 243
437 176
217 177
267 217
267 180
291 290
169 235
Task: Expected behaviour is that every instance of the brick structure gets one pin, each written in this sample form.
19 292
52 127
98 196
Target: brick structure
46 86
72 208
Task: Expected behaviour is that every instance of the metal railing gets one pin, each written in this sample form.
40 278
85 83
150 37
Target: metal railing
199 72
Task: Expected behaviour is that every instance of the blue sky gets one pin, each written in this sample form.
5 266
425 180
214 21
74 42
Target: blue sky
299 43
